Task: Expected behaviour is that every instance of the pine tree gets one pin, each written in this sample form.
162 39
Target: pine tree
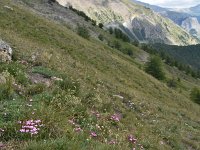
155 68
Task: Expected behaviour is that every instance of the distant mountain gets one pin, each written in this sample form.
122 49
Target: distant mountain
195 10
192 25
137 21
188 19
153 7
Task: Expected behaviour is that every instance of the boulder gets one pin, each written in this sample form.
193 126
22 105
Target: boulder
5 52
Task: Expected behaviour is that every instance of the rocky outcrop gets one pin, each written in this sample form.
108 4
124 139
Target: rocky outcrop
5 52
192 25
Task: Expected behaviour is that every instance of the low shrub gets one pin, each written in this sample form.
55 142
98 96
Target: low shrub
83 32
195 95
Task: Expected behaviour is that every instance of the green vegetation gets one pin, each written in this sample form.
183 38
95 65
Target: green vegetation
99 98
119 34
45 71
82 14
187 55
83 32
177 58
195 95
155 68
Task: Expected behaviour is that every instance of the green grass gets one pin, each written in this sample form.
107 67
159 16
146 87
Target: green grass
158 116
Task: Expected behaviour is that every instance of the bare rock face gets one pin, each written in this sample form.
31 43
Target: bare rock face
192 25
5 52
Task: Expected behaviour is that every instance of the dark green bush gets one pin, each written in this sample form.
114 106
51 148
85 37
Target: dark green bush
83 32
195 95
101 37
101 25
154 67
172 83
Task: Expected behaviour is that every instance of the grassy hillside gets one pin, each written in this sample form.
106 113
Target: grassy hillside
83 94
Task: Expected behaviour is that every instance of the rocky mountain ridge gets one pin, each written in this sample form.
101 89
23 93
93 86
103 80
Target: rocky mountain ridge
135 20
187 18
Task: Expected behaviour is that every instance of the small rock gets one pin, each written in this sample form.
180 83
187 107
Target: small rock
5 52
2 79
8 7
56 79
118 96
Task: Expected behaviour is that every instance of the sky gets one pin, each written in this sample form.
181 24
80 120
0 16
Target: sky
173 3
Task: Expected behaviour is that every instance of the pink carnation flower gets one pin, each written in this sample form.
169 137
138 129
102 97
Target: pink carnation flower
93 134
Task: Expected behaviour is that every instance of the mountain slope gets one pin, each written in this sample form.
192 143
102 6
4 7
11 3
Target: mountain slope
186 18
195 10
95 84
154 28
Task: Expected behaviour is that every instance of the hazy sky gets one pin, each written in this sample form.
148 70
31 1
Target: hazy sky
173 3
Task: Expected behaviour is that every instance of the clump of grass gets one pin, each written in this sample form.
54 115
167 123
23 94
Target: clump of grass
6 89
17 70
36 89
48 73
69 85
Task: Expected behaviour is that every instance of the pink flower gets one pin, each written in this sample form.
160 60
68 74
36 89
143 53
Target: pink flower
22 130
93 134
96 114
37 121
77 129
116 117
31 126
132 139
112 142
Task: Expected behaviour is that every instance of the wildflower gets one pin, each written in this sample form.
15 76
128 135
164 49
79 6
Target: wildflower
29 105
116 117
93 134
112 142
98 127
37 121
96 114
2 130
2 145
30 126
72 121
77 129
132 139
